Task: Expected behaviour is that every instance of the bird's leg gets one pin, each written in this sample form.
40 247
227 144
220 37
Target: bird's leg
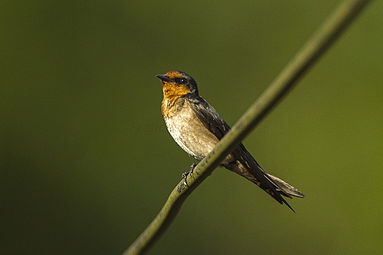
185 174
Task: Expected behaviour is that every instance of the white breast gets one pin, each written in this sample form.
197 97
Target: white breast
190 134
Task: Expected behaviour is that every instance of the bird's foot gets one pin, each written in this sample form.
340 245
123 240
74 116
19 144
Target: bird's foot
185 175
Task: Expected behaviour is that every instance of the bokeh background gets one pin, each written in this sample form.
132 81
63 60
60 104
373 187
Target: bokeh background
86 161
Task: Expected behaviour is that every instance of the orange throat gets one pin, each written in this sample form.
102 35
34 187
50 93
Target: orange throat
171 93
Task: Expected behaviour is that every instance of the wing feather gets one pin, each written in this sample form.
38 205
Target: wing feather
209 116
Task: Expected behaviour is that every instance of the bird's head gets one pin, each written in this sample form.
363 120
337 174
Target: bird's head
176 84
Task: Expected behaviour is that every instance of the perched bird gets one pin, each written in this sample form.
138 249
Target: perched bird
197 127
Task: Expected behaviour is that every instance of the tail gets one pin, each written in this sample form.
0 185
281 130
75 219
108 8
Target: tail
274 186
286 189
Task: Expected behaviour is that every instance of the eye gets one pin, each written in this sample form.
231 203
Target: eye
181 80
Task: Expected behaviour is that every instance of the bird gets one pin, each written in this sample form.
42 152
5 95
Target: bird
197 127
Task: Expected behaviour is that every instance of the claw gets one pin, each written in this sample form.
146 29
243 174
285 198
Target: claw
185 174
185 177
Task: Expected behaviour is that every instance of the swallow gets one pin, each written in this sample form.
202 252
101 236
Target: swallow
197 127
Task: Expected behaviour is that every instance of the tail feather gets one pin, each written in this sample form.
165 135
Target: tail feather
286 189
274 186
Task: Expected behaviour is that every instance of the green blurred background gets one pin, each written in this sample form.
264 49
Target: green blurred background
86 161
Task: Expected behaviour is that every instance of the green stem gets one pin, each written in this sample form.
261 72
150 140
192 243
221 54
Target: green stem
305 58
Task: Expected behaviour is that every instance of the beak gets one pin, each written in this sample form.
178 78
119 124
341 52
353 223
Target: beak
163 77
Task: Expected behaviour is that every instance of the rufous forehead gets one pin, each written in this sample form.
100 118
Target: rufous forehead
173 74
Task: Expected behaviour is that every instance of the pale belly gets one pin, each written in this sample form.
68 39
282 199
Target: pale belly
190 134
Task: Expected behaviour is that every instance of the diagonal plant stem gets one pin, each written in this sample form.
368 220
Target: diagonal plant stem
305 58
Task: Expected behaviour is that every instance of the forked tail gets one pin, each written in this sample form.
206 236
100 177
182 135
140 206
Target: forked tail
274 186
285 188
